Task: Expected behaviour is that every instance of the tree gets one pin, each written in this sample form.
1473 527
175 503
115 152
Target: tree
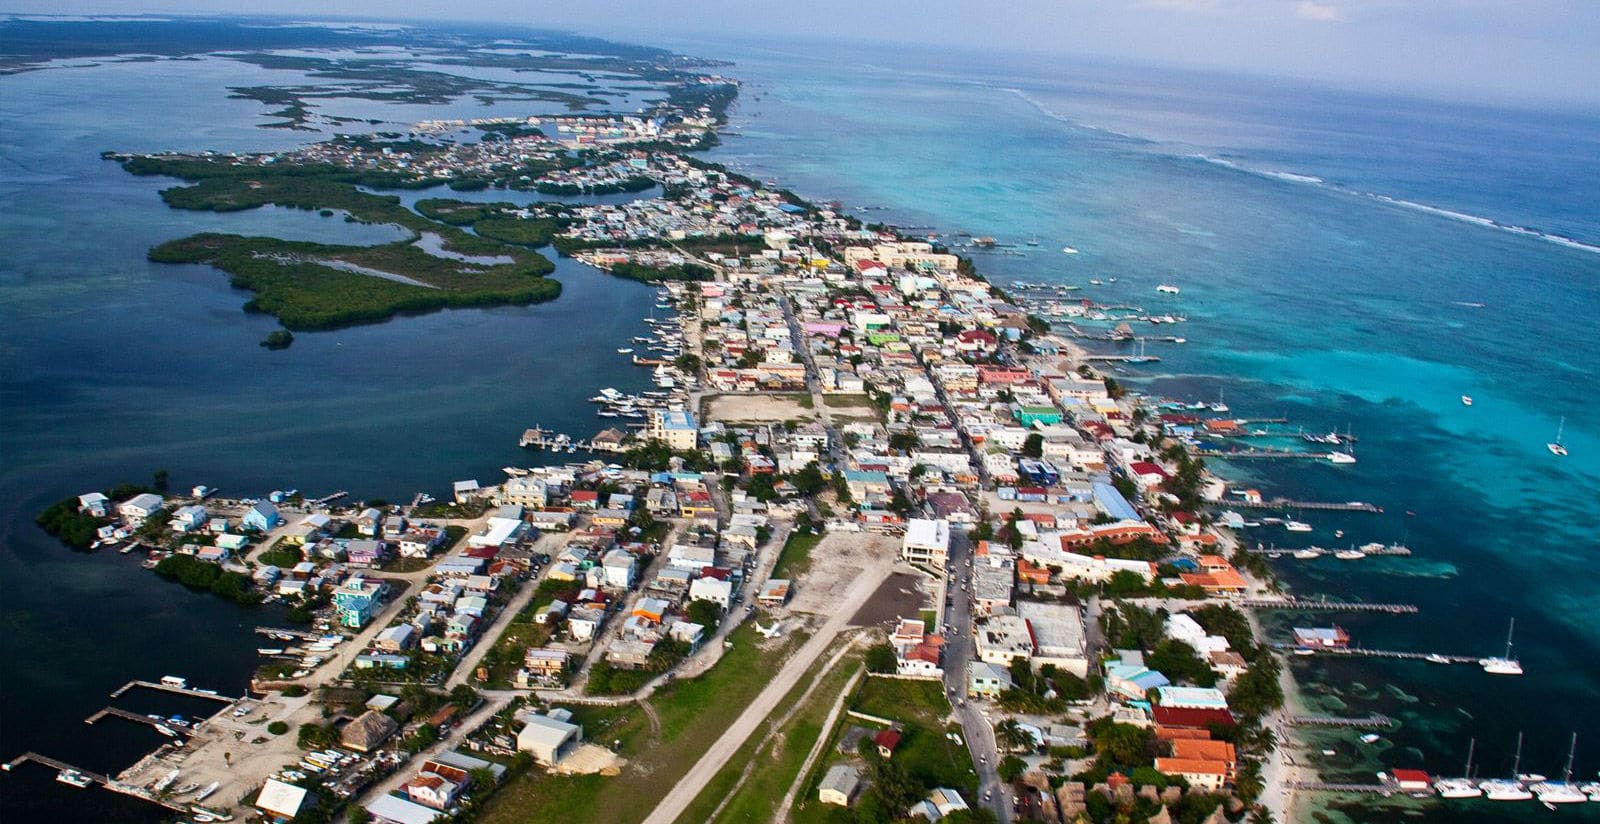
880 658
359 814
1011 768
904 440
1011 736
809 480
704 613
278 727
1033 447
464 696
687 362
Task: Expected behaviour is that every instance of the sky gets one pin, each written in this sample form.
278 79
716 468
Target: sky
1541 51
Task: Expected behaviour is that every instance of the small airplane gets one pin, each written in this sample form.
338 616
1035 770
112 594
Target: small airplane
770 632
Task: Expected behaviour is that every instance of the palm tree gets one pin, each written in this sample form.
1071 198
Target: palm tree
1011 736
1261 815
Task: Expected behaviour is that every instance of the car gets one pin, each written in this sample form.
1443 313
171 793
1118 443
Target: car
984 760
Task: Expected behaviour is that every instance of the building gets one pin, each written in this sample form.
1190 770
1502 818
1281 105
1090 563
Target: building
926 541
1058 635
357 601
775 593
140 507
1321 637
1200 698
1202 773
1003 639
262 516
368 731
547 737
986 680
392 809
280 801
674 427
719 592
839 785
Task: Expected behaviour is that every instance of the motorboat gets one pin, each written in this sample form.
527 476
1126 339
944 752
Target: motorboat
1341 458
1168 289
1349 554
1466 400
1556 448
73 777
1297 526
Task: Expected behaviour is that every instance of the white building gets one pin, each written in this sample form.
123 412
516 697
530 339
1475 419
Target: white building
548 737
926 542
711 589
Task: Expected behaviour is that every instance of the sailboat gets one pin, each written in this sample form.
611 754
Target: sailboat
1555 446
1563 791
1460 787
1504 665
1508 789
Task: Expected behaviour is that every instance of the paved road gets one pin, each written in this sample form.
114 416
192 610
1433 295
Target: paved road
958 654
683 794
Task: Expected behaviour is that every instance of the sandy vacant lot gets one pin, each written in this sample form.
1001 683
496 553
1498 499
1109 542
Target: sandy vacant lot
836 563
757 408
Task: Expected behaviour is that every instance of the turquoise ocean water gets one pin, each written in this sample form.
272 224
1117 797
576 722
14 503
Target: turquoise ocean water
1308 295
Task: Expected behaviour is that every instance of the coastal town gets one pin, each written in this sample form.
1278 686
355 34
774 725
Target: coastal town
883 525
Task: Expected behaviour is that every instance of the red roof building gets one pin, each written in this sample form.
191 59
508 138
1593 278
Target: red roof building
1192 717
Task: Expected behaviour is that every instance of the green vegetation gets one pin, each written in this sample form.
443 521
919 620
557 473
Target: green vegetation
795 557
690 714
637 183
278 339
653 274
197 574
278 727
297 282
281 555
75 529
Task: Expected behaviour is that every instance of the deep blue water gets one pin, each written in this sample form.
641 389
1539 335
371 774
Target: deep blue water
1311 300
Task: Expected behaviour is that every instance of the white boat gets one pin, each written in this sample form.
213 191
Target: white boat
1503 665
1466 400
1341 458
1504 789
1094 281
1563 791
1591 789
210 788
73 777
1068 250
1297 526
1349 555
174 681
624 350
1436 658
1168 289
1555 446
1460 787
1306 554
514 471
1371 738
166 730
165 781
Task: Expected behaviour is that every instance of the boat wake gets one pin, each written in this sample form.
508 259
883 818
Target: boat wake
1313 180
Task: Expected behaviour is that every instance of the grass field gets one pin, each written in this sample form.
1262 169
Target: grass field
691 714
795 557
776 753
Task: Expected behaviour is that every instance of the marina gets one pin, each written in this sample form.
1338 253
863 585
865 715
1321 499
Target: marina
1324 605
175 688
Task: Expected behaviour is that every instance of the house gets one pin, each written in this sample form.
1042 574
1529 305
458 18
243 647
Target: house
432 790
357 601
94 503
1410 780
548 737
466 491
1192 697
1205 749
368 731
886 741
839 785
1321 637
1192 718
1201 773
188 518
620 567
262 516
280 801
140 507
926 541
719 592
939 803
986 680
397 638
651 609
775 593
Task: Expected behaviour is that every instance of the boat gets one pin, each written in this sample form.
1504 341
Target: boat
1297 526
1341 458
174 681
73 777
1033 241
1094 281
1556 448
1068 250
1563 791
166 730
1371 738
1436 658
1307 554
1168 289
210 788
165 781
1504 789
624 350
187 788
1591 789
514 471
1460 787
1349 555
1466 400
1504 665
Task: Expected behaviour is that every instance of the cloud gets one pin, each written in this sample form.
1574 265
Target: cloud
1320 12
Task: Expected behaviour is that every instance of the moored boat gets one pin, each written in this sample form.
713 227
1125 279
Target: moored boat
73 777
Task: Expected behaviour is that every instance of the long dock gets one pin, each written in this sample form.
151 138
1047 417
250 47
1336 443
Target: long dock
1285 503
1320 551
297 633
539 438
1375 721
1261 453
192 693
328 499
1384 790
1122 358
1326 606
109 783
118 712
1363 652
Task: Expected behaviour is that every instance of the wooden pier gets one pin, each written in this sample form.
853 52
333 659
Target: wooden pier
1384 790
328 499
105 780
1375 721
539 438
1233 454
1285 503
297 633
118 712
192 693
1319 551
1401 655
1322 605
